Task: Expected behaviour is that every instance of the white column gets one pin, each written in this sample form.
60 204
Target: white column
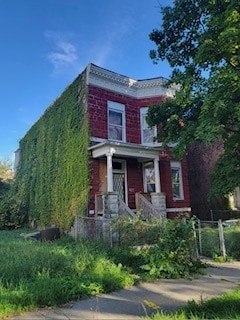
109 171
157 176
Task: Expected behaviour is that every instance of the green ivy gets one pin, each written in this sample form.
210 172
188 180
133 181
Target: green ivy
53 176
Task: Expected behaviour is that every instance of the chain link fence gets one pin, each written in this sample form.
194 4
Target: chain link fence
218 238
213 239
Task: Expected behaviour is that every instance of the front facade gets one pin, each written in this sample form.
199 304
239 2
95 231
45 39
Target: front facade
124 157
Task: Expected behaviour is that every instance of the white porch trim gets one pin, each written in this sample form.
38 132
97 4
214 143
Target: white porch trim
157 176
140 152
109 170
185 209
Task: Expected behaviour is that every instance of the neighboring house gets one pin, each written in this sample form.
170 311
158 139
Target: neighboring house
125 157
128 169
201 161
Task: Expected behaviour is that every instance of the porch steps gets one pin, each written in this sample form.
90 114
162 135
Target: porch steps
125 210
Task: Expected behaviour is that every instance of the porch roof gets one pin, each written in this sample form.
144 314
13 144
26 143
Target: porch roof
121 149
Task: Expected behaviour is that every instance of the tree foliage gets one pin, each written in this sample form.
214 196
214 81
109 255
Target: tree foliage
201 41
5 169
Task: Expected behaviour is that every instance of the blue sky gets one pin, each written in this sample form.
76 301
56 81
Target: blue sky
47 43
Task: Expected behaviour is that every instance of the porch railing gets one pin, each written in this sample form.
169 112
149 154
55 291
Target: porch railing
125 210
99 204
147 210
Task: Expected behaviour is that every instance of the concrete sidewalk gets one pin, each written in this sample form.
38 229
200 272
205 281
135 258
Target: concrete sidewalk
142 300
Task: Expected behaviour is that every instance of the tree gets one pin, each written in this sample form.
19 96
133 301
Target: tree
5 170
12 210
201 41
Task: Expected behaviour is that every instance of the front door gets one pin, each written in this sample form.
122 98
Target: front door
119 184
119 181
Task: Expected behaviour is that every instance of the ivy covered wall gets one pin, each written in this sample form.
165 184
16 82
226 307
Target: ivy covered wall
52 179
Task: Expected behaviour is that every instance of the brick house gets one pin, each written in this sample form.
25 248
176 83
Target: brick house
125 159
92 154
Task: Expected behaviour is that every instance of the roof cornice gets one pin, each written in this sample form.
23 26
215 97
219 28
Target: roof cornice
135 88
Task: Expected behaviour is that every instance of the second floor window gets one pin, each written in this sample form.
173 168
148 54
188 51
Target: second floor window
147 133
116 121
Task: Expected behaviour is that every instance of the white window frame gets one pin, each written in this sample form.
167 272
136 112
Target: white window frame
149 165
176 165
120 108
124 171
143 114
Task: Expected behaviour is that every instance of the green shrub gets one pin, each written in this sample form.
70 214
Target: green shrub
173 256
12 210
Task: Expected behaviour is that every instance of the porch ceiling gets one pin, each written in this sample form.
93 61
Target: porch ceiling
140 152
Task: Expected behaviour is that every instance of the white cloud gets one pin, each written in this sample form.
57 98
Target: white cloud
71 52
64 54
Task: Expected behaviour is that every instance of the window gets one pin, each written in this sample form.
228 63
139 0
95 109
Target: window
149 178
147 134
236 198
116 121
177 186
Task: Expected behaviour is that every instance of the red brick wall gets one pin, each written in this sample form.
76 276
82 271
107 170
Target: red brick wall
135 180
166 185
97 104
165 179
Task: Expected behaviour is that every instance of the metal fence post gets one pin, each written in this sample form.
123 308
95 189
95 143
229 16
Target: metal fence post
221 239
200 236
195 240
211 212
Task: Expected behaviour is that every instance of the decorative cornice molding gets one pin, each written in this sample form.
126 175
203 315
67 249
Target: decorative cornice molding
136 88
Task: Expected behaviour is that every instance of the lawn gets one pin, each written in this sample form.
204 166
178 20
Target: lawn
224 307
35 274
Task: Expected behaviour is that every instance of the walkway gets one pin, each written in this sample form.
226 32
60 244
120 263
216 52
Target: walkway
142 300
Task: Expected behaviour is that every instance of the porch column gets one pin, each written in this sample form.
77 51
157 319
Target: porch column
110 170
157 176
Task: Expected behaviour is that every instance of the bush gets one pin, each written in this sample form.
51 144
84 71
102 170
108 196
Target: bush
12 211
171 255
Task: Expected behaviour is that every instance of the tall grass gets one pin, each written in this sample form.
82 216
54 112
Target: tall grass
226 306
34 274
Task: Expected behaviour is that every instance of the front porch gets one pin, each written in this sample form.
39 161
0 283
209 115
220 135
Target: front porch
124 173
110 205
127 178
